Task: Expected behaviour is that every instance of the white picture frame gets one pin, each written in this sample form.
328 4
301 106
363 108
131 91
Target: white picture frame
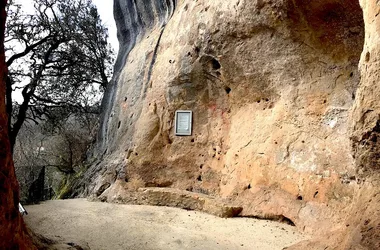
183 122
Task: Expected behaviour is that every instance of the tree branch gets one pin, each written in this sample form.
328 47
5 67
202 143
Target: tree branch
27 93
27 50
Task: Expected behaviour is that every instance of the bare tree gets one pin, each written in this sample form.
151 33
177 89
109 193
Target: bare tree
58 57
47 154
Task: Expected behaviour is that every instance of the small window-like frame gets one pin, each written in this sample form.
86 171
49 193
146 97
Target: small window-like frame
183 122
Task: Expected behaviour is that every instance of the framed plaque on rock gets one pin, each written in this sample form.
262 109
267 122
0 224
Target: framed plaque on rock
183 122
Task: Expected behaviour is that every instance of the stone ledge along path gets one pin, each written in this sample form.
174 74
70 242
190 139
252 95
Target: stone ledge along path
139 227
171 197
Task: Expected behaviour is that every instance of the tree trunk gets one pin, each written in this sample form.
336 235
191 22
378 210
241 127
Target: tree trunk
13 233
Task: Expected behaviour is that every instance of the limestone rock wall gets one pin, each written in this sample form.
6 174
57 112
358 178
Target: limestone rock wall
366 111
284 123
134 19
365 128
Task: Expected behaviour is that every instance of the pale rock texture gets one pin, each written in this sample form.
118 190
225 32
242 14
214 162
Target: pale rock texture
285 125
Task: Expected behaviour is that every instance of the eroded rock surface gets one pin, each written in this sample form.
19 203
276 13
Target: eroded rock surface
171 197
284 123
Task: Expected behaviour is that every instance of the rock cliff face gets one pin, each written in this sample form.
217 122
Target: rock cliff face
284 121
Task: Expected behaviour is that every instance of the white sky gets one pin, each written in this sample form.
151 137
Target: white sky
105 10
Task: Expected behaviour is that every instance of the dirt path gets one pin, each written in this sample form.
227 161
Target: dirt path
113 226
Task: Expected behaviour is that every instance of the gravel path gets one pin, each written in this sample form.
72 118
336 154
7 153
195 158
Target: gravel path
113 226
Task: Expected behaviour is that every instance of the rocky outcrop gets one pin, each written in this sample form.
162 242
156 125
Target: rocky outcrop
364 218
366 110
134 20
285 124
13 233
171 197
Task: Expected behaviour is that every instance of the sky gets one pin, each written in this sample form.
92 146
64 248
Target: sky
105 10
